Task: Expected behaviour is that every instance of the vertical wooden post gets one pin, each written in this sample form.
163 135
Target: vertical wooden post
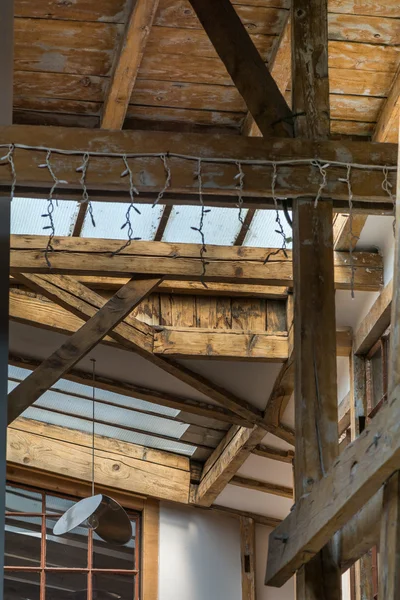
6 108
363 575
248 557
389 573
310 87
316 406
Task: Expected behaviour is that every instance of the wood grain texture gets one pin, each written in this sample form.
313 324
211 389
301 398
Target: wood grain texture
244 64
310 93
87 256
389 547
248 558
316 410
127 469
388 121
127 63
376 321
149 175
262 486
66 357
355 478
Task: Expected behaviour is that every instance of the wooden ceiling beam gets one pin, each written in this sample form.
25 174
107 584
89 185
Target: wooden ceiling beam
347 231
387 127
264 451
65 452
78 299
127 63
245 66
78 345
186 405
376 321
219 185
262 486
280 67
79 256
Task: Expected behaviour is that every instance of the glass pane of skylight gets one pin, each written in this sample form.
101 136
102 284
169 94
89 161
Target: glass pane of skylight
110 216
263 231
221 225
109 431
26 216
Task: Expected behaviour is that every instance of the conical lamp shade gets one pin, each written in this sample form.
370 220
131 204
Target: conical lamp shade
101 513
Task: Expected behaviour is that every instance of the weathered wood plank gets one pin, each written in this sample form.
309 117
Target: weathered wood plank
264 451
389 548
149 175
128 62
248 558
375 323
347 231
117 464
354 478
245 65
66 357
388 122
262 486
229 263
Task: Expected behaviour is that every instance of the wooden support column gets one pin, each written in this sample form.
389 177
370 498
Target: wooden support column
389 572
316 409
248 558
363 581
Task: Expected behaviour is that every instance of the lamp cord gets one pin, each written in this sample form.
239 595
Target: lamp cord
93 416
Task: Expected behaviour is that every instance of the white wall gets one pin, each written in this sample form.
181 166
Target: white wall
268 593
199 555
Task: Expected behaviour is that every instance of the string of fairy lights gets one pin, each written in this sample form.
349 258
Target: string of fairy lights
239 183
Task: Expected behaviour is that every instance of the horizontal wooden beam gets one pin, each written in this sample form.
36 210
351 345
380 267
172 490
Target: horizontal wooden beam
354 478
257 518
118 465
375 323
347 231
219 184
262 486
232 344
80 256
264 451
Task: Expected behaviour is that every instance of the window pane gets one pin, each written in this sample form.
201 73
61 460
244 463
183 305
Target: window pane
66 586
21 586
68 550
54 504
23 541
109 556
114 586
20 500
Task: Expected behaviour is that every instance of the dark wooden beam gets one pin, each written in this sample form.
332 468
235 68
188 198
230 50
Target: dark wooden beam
245 66
78 346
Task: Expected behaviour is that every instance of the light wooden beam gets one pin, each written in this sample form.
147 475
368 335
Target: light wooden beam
245 66
104 175
264 451
119 465
262 486
256 517
93 257
347 231
186 405
387 126
76 347
355 477
280 67
127 63
376 322
79 300
248 558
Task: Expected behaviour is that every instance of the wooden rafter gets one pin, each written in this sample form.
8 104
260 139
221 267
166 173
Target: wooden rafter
376 321
245 66
262 486
79 256
104 178
388 122
127 63
78 346
264 451
79 300
346 231
280 67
